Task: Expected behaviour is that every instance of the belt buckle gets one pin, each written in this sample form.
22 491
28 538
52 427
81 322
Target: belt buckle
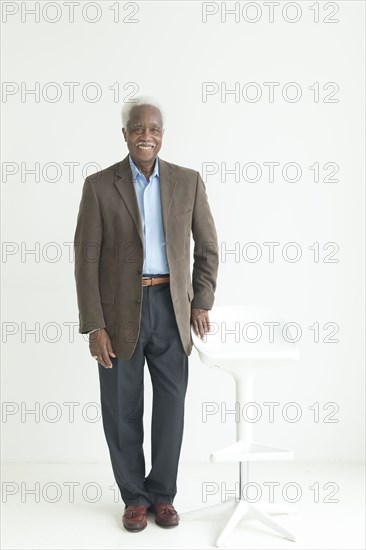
149 281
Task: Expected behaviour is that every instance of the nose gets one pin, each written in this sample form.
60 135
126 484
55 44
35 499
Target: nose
146 135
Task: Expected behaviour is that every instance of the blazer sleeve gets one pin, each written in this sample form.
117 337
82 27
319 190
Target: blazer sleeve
87 246
206 255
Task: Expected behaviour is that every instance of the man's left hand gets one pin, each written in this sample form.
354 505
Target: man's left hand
200 321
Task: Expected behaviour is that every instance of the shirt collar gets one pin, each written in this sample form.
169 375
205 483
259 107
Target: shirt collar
136 172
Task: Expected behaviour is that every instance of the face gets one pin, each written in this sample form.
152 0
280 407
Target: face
144 134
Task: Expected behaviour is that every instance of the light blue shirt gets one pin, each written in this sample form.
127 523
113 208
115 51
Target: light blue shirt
148 198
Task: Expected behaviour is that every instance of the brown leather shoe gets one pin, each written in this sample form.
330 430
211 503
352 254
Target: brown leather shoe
134 518
165 515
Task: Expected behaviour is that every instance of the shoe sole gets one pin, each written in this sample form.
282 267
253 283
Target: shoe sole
136 530
166 526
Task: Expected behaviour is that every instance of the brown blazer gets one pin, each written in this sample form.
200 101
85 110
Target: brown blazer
108 249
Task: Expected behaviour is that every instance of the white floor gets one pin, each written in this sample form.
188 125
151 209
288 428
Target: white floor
39 511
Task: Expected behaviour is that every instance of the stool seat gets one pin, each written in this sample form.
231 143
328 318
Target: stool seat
246 335
255 452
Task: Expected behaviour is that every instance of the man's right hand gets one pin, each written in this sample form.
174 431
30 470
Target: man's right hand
101 348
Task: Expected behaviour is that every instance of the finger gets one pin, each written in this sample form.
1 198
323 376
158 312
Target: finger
204 321
106 359
94 352
110 350
102 362
205 325
200 328
98 358
209 326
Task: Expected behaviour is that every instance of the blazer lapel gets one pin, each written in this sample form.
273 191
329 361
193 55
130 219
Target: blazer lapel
167 188
125 186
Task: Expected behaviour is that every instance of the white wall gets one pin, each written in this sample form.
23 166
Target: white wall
169 53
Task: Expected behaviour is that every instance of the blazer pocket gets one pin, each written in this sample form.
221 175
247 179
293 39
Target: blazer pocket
106 297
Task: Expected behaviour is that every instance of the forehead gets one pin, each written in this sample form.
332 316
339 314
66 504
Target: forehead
145 114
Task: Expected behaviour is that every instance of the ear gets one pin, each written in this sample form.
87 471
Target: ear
124 133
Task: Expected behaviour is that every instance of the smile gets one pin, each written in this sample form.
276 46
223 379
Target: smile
144 147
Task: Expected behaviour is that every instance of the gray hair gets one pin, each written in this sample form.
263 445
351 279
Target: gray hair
136 102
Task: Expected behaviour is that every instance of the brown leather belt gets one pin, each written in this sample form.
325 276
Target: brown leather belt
155 281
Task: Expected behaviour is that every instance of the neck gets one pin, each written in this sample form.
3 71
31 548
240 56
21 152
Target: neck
145 168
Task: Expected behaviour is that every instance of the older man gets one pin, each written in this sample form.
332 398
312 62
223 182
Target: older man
137 301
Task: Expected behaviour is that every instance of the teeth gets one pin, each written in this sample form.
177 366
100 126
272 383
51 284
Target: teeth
145 147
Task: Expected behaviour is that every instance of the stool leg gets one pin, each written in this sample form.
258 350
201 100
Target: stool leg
275 509
261 516
240 511
207 511
243 477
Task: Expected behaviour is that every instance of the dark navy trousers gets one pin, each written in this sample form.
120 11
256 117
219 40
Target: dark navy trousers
122 404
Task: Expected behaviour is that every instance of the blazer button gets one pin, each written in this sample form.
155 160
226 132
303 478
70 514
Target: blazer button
138 300
139 272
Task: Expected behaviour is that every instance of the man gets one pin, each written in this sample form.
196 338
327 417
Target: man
137 302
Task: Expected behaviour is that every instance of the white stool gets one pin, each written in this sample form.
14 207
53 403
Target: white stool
227 347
